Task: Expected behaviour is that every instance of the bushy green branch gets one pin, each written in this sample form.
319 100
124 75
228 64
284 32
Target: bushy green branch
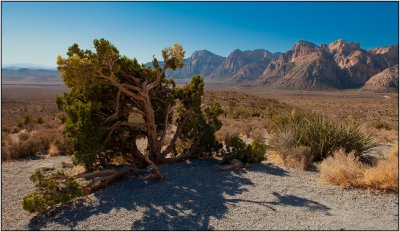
51 189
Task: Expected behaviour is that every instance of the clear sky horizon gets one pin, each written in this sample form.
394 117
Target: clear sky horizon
37 32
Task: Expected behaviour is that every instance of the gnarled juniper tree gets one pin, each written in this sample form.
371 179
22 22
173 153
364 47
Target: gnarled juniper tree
113 100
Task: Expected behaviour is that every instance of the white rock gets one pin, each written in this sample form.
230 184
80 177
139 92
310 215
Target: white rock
47 166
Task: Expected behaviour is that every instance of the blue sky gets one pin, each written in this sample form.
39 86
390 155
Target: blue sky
38 32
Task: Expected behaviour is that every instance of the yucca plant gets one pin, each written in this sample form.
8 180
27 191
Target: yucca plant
321 134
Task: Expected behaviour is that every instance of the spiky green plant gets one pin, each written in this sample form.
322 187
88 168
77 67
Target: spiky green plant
321 134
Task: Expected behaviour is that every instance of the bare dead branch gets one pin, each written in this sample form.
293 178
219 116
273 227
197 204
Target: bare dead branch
177 134
164 132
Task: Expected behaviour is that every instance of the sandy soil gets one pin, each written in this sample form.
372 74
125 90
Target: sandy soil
194 196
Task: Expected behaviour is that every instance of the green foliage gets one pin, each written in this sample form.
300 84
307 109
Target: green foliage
40 120
321 134
94 111
173 56
26 122
201 127
236 148
51 189
86 134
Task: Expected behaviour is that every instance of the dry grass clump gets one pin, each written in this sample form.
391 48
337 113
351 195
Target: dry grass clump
25 148
63 145
286 153
41 140
381 135
342 169
347 171
53 150
385 175
23 135
258 134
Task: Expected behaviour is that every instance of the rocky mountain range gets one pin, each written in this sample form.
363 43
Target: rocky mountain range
239 66
337 65
306 66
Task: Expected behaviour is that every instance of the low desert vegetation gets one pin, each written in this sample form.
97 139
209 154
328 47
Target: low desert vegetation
123 102
301 138
32 137
236 148
385 175
51 189
347 171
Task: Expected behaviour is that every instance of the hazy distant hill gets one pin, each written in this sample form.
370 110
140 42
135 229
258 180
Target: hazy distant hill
26 75
28 66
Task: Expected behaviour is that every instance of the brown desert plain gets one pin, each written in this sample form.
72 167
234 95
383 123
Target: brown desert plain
270 195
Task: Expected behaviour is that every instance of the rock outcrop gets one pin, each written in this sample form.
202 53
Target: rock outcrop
243 65
337 65
387 80
200 62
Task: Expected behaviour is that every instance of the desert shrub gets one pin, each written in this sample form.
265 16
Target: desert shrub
385 175
5 146
31 143
51 189
61 116
15 130
321 134
258 134
286 153
53 150
342 169
23 135
347 171
63 145
381 136
40 120
29 147
26 122
382 125
236 148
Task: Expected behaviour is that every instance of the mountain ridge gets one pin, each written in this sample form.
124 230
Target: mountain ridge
338 65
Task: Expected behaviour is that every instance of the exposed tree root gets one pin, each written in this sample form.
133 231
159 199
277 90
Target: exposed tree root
102 178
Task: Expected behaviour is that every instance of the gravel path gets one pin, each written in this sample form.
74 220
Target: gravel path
195 197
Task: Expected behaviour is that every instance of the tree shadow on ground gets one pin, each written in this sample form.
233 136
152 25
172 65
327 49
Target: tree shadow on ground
288 200
187 199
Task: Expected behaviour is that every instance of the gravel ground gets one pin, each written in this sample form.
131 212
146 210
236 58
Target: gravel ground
195 197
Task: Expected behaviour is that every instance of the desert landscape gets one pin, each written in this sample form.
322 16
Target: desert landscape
269 193
215 122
